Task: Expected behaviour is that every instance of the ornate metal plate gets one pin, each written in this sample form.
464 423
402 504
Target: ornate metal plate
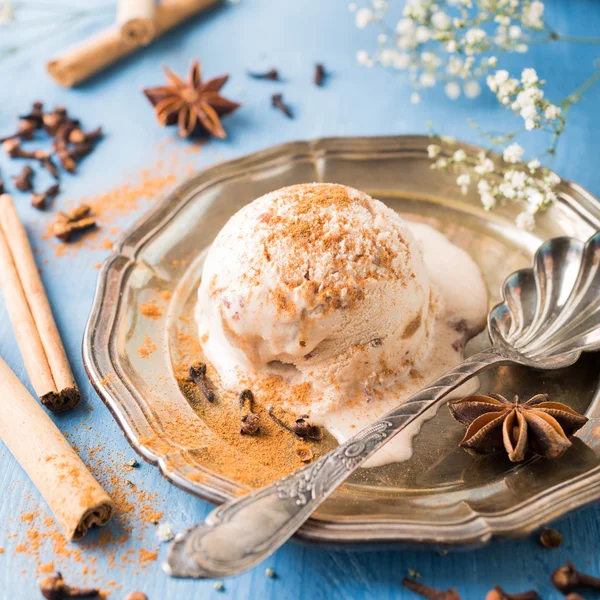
440 496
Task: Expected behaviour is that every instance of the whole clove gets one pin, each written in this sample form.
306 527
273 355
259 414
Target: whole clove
300 427
14 150
250 422
428 592
40 201
567 578
271 74
69 156
305 454
55 588
278 103
551 539
320 74
499 594
574 596
67 225
50 166
61 137
53 120
25 129
24 180
78 136
197 374
136 596
35 115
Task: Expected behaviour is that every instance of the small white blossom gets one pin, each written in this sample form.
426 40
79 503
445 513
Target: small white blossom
415 98
552 179
433 150
525 221
534 164
459 156
463 181
514 32
440 20
483 186
363 17
529 77
427 80
507 190
487 200
472 89
475 36
532 15
441 163
452 90
529 124
552 112
513 153
362 58
7 12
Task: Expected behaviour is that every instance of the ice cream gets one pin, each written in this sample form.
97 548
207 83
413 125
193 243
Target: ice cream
319 284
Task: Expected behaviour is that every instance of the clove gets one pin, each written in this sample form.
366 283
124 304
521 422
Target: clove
304 454
499 594
300 427
14 150
197 374
277 102
53 120
68 225
551 539
77 135
250 422
35 115
24 180
136 596
55 588
69 156
271 74
567 578
50 166
320 74
25 130
428 592
40 201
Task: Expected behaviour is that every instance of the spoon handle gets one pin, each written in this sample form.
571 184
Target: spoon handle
240 534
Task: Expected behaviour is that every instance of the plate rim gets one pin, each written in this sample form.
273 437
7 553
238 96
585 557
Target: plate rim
474 530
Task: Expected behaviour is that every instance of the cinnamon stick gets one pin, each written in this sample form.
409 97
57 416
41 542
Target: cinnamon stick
107 47
136 19
73 495
31 315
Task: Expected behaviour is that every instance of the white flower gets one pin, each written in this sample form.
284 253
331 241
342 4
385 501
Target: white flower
487 200
492 61
401 60
7 12
352 7
415 98
486 166
475 36
452 90
525 220
483 186
552 112
363 17
441 163
451 46
405 27
440 20
534 164
518 179
422 34
459 155
529 124
463 180
507 190
552 179
513 153
362 58
532 15
427 79
529 77
433 150
514 32
472 89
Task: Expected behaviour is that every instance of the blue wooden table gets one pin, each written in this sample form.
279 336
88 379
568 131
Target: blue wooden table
253 34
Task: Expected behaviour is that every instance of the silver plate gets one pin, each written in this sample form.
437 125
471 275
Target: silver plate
441 496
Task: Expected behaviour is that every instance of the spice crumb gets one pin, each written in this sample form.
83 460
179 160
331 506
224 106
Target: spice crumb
219 586
551 539
270 573
164 532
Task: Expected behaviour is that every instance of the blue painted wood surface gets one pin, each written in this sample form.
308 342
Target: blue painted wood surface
355 101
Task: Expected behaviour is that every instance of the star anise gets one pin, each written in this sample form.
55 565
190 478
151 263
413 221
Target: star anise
193 104
495 423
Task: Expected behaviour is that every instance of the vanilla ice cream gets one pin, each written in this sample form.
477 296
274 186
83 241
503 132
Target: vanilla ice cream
321 284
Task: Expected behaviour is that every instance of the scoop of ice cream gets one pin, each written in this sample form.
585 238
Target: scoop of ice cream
320 283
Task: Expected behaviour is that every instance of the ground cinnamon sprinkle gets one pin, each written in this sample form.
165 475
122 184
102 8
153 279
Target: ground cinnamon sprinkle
151 310
148 348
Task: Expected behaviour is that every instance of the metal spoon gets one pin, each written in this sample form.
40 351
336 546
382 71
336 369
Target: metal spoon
549 315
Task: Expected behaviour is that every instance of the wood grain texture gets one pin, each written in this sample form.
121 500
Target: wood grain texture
255 35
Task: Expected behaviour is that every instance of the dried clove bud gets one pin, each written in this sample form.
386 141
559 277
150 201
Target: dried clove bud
77 135
69 224
305 454
198 375
35 115
300 427
550 538
50 166
428 592
250 422
14 150
136 596
61 137
24 180
574 596
25 130
55 588
69 156
271 74
40 201
277 102
53 120
499 594
319 75
566 579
